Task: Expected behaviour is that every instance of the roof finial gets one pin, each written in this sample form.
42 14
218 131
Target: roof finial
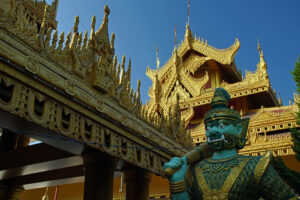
175 39
259 49
280 100
188 12
262 64
157 59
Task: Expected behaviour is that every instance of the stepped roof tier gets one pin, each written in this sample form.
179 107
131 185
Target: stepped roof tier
196 68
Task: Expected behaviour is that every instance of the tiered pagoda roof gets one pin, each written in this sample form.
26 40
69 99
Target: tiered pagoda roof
195 69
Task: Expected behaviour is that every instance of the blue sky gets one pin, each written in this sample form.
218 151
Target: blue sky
143 25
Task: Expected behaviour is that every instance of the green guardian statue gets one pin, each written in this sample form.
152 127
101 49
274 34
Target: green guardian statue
224 174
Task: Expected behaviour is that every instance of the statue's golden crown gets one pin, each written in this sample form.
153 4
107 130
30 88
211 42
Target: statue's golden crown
220 108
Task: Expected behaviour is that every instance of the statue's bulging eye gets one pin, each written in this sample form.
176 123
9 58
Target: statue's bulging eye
208 128
221 125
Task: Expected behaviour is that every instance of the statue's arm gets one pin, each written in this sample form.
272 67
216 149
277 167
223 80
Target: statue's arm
178 184
272 186
176 171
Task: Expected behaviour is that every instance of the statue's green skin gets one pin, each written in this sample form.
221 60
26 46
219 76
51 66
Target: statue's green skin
212 133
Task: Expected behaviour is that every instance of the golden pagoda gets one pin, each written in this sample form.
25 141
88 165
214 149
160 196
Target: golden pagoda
195 69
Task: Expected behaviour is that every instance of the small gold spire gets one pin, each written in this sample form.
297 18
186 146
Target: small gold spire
93 27
175 39
157 59
280 100
262 64
260 51
258 46
76 23
188 12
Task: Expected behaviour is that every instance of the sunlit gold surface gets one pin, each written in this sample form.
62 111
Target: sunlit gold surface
192 73
79 76
85 69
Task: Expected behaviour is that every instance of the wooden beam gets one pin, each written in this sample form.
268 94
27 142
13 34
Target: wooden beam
35 159
52 177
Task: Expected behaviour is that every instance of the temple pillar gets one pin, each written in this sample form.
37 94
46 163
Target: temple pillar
137 183
12 141
99 175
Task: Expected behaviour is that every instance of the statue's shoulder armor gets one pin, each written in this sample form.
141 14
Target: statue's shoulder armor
261 166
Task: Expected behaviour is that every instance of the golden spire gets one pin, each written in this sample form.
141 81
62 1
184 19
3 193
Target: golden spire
175 39
157 59
262 64
280 100
188 12
259 49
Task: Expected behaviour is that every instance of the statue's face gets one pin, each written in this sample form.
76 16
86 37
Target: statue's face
222 134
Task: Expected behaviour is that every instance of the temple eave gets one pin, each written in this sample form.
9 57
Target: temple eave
235 90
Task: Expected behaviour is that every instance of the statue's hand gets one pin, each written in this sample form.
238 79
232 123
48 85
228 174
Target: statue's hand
177 163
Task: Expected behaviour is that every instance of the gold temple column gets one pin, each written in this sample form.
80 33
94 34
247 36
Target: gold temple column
99 176
137 183
12 141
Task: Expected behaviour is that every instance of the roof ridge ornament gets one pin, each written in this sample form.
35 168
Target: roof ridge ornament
188 12
175 37
262 65
188 34
279 99
157 59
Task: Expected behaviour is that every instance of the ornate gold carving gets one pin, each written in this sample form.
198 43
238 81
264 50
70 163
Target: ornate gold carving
15 93
124 120
261 167
177 77
194 62
222 193
31 65
88 130
87 127
100 105
65 120
34 113
25 28
178 90
69 87
187 115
